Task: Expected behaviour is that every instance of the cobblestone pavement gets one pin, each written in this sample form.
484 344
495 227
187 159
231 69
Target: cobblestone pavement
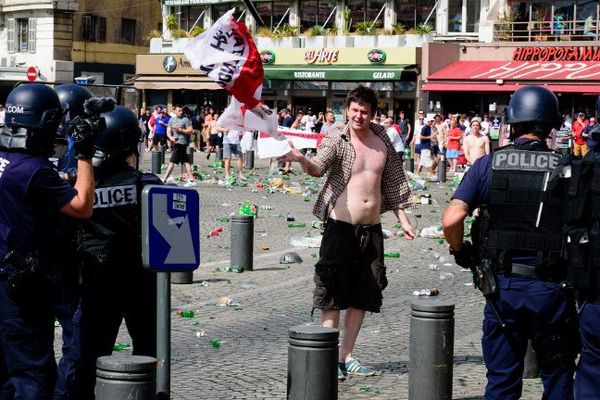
251 362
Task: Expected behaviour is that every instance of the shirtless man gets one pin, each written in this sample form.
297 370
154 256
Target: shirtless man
475 144
365 179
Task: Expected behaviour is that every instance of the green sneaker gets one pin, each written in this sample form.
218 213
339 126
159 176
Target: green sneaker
353 367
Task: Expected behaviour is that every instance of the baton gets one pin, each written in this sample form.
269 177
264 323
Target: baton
496 312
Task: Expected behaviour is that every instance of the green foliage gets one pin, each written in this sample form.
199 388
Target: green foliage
179 33
286 30
425 29
398 29
153 34
263 31
316 30
197 30
346 20
171 22
364 28
331 31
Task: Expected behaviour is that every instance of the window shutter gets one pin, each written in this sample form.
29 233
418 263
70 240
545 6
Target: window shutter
11 35
101 29
31 36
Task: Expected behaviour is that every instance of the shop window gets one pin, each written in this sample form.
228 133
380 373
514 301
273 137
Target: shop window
128 30
316 12
276 84
94 28
411 13
365 11
425 12
273 12
220 9
191 15
317 85
473 12
455 15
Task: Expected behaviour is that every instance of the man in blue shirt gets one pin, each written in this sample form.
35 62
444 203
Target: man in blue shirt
160 130
32 197
516 254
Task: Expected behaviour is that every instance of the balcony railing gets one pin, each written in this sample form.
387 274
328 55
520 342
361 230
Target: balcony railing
542 31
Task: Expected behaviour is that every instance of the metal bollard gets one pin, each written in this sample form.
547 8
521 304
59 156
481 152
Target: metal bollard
156 162
431 353
531 368
410 164
219 154
242 242
442 170
182 278
163 152
249 159
125 377
312 363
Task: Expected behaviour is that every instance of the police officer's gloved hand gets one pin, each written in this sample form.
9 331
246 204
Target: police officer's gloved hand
84 136
465 257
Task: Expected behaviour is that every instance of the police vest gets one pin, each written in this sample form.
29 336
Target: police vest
115 227
582 222
525 218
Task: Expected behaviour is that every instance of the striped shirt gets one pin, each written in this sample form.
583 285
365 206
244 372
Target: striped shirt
336 155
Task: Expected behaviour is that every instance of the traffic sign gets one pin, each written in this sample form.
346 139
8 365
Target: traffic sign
170 228
32 74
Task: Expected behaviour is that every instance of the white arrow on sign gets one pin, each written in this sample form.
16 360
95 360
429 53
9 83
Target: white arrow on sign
178 235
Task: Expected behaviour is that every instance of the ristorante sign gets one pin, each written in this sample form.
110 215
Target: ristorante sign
556 53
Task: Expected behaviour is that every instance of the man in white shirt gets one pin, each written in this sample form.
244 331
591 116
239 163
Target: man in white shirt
394 136
485 125
231 147
419 124
308 121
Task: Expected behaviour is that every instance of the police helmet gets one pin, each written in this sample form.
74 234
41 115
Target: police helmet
533 104
72 97
33 113
119 139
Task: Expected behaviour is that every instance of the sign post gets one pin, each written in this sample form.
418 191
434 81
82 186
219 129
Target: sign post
170 243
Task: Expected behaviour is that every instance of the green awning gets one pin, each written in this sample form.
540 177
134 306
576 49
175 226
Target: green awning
335 72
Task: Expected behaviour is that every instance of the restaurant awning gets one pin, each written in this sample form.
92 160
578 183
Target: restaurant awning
508 76
336 72
162 82
491 87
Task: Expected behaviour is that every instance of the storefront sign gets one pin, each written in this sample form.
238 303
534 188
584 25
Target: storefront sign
169 64
376 56
267 57
322 56
519 70
164 64
572 53
334 74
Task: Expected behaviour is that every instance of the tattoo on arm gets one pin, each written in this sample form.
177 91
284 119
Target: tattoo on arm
459 203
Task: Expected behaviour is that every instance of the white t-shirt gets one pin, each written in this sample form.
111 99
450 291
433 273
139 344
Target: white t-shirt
395 139
485 128
418 127
232 137
308 121
2 116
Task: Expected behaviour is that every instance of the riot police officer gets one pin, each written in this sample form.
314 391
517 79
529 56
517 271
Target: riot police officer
582 244
72 98
115 286
516 257
32 197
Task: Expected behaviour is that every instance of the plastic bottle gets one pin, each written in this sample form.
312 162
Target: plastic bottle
121 346
297 225
392 254
215 342
187 313
317 224
407 153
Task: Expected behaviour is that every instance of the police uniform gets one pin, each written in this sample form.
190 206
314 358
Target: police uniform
521 238
582 244
115 285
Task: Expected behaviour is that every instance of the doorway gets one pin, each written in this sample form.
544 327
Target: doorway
316 104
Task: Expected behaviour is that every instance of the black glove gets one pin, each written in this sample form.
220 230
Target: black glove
84 135
465 257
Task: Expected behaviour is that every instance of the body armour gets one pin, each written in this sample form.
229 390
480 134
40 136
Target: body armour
523 218
582 227
115 228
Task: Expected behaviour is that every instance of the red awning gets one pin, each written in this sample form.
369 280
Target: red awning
519 70
492 87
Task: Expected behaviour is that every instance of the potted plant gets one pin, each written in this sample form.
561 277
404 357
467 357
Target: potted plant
263 39
314 37
393 38
286 37
196 30
415 37
365 35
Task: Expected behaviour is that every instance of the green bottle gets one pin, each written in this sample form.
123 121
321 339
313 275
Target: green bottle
392 254
297 225
187 314
215 342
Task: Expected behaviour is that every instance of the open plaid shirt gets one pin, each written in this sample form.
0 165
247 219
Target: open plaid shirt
336 155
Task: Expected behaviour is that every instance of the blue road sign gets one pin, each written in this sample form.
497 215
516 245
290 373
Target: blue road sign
170 228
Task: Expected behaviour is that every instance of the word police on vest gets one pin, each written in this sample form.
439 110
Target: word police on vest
521 159
115 196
